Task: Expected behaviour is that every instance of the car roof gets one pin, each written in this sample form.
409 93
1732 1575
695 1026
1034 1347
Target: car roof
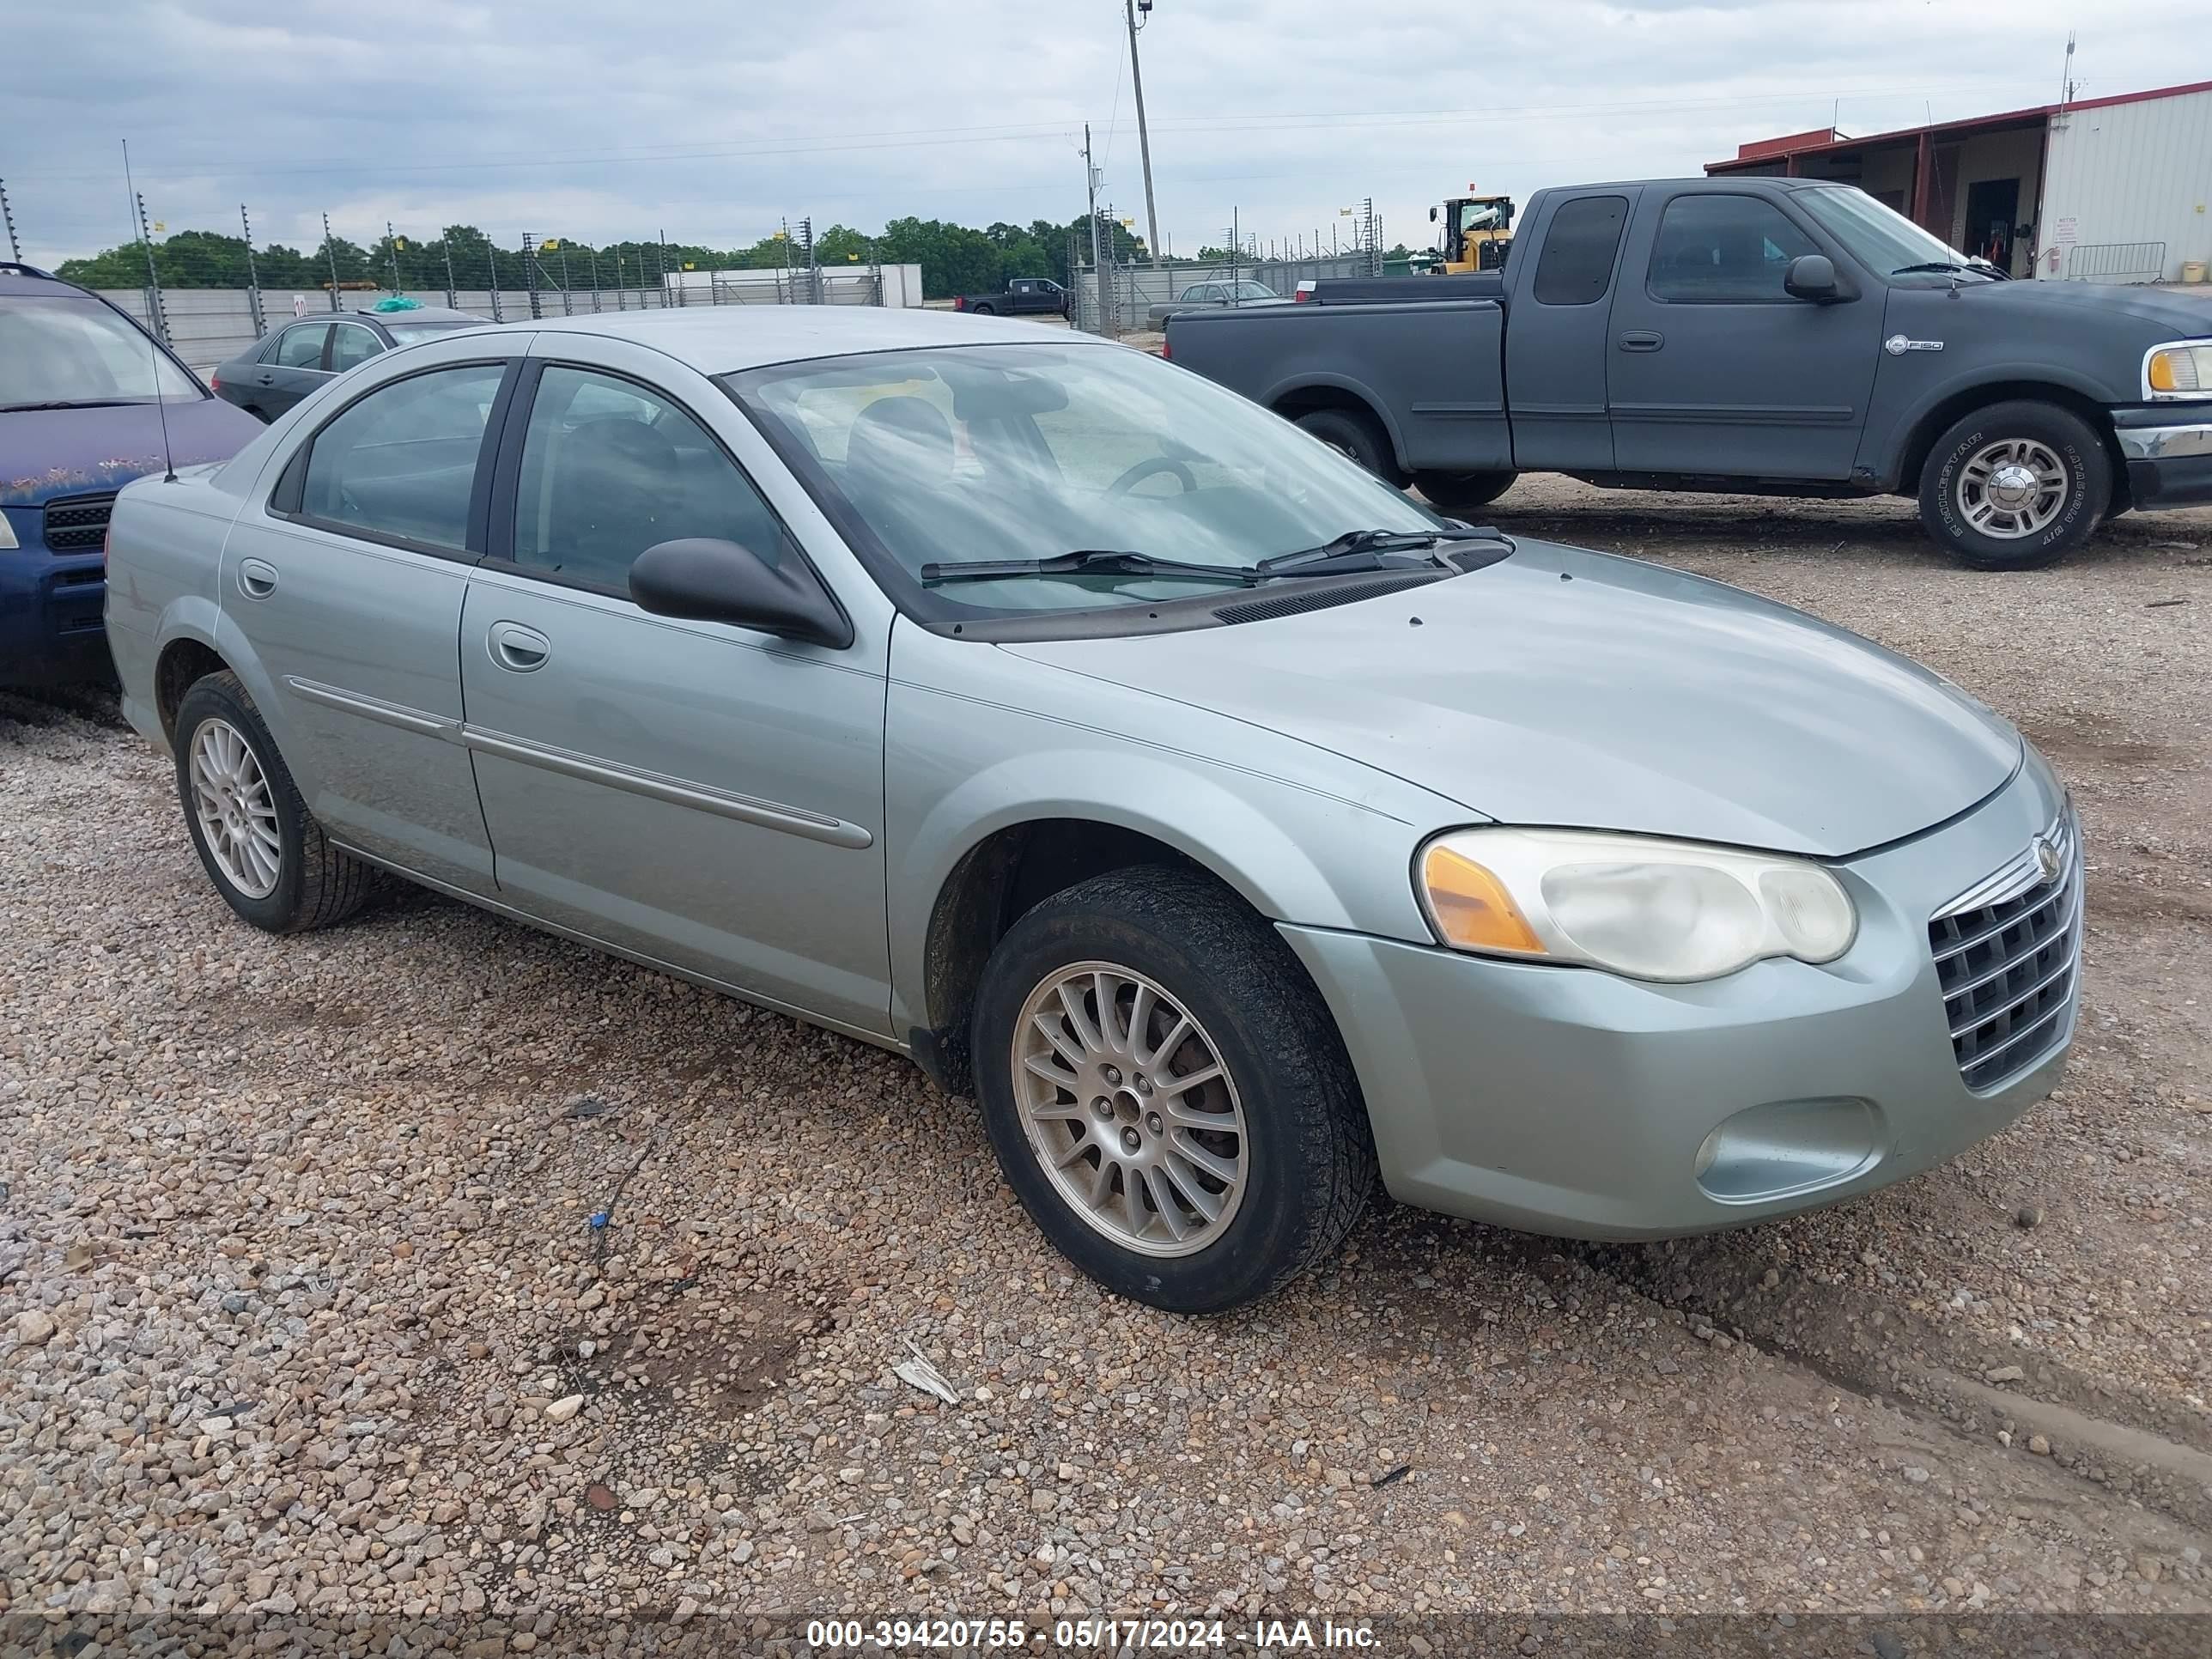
724 339
29 279
420 314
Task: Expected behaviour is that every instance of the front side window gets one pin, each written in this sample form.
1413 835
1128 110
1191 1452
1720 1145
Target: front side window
301 346
350 344
610 468
400 464
1017 452
71 349
1576 267
1721 248
1255 291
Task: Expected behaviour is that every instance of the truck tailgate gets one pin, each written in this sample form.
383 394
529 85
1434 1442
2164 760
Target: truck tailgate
1432 371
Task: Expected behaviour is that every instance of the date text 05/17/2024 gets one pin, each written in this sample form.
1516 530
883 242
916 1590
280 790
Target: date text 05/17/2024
1109 1635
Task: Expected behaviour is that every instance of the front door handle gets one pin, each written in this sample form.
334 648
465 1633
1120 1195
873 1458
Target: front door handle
257 579
1642 339
518 648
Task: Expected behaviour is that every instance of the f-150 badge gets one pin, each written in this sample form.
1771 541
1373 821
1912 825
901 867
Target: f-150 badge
1897 345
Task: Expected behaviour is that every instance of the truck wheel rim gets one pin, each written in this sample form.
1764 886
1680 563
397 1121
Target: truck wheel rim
237 815
2012 488
1129 1110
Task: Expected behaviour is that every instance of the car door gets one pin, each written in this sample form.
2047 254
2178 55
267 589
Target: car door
291 366
346 580
693 792
1023 295
1555 333
1714 367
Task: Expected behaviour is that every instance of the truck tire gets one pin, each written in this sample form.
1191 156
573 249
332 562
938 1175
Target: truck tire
1167 1093
1456 494
1354 433
984 310
2016 486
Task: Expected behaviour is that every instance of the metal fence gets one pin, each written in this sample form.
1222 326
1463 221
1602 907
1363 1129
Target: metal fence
1121 303
2116 262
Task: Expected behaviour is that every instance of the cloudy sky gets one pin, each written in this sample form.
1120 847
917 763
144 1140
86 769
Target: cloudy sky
711 119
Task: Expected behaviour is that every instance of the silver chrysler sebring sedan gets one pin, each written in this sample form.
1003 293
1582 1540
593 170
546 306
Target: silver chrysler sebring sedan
1236 831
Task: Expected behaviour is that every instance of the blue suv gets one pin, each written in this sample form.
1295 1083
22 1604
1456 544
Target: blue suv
79 382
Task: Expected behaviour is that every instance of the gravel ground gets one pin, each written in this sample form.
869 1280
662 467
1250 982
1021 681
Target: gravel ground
300 1309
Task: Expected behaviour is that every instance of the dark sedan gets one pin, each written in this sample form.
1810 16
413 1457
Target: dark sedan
291 361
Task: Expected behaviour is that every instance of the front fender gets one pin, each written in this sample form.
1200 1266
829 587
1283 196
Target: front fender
959 771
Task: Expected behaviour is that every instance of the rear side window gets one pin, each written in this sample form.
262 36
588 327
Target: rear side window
301 345
401 464
351 344
1720 248
1576 267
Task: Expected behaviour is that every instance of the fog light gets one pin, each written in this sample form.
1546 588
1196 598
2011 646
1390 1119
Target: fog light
1789 1147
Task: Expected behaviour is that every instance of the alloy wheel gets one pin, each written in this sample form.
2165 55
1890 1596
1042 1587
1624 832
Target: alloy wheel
236 812
2012 488
1129 1109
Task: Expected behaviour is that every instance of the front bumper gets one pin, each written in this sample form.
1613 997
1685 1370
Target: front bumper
2167 465
50 617
1572 1102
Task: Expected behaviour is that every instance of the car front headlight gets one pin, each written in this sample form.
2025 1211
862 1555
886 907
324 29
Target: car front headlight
1635 905
2183 369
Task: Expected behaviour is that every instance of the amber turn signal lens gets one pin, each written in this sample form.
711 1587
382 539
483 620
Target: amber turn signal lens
1471 906
2161 372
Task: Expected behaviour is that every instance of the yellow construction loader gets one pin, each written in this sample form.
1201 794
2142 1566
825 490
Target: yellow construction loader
1477 231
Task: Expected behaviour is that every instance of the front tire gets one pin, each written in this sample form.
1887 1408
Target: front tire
2016 486
1457 495
260 846
1166 1093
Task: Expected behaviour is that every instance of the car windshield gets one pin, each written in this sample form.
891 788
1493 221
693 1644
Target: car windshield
1255 291
1020 452
1883 237
71 349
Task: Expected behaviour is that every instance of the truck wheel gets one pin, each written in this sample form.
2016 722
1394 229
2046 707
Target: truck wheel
1459 493
1354 433
1167 1093
984 310
261 847
2016 486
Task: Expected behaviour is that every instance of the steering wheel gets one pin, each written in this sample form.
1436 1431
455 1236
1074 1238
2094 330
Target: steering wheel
1144 468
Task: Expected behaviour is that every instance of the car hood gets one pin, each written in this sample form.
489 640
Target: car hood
2176 316
1561 687
45 453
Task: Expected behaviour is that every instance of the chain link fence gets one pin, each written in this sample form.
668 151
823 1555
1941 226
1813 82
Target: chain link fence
1119 300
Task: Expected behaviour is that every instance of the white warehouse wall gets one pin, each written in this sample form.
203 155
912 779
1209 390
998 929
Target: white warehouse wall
2131 173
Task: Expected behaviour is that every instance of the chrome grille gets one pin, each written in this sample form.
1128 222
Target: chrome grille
2007 953
78 523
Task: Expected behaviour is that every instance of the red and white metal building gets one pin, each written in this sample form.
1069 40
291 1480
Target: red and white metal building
2097 190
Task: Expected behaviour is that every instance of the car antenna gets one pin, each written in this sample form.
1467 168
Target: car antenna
153 346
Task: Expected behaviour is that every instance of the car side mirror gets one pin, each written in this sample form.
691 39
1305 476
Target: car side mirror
703 580
1813 276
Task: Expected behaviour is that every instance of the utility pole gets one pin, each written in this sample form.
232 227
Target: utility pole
7 213
1097 265
1129 9
391 246
331 252
253 276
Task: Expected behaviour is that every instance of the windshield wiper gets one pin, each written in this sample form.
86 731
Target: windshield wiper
1978 267
1087 562
70 403
1362 549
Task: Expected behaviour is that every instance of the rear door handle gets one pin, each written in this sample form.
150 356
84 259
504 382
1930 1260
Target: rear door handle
1642 339
256 580
518 648
265 380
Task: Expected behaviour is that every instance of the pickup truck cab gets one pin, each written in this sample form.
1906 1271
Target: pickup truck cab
1779 336
1024 296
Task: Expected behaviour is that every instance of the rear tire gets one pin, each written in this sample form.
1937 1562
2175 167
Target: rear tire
1356 434
1270 1192
984 310
260 846
1457 495
2016 486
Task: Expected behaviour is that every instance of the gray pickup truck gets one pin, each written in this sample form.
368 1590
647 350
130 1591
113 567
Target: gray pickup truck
1762 335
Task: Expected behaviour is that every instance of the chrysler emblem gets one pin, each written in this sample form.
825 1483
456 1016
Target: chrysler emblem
2046 857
